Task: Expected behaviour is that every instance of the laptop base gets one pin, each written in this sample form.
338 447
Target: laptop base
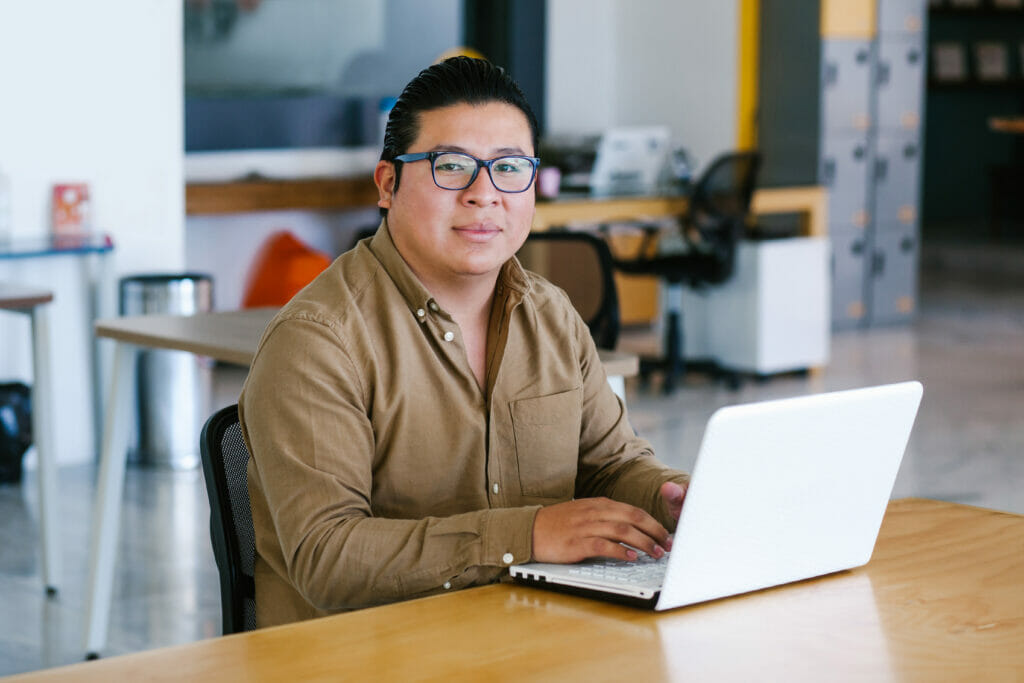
580 592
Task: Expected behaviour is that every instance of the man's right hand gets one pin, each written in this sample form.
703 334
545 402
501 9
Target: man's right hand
596 527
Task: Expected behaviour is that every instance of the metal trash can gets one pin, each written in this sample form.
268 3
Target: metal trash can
173 387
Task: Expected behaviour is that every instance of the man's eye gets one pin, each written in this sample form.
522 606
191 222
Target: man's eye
509 167
451 167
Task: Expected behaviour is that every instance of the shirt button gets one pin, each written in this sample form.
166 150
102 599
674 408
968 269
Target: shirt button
447 585
433 306
494 487
507 558
448 336
420 313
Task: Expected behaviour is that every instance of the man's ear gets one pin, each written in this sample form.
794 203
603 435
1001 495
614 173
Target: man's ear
384 179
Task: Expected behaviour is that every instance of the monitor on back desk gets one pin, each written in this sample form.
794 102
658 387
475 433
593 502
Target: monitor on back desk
630 160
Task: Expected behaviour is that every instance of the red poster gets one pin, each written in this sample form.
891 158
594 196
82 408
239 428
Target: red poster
71 210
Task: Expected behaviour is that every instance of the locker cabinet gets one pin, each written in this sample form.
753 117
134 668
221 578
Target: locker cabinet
846 78
845 164
849 272
869 99
901 17
893 274
899 79
896 177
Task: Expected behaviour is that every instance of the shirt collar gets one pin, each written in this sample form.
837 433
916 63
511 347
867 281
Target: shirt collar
512 274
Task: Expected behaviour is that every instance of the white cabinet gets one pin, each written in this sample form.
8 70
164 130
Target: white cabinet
772 316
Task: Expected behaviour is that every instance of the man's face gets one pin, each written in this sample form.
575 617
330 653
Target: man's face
447 236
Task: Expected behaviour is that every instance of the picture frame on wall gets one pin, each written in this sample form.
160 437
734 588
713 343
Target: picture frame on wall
991 61
949 62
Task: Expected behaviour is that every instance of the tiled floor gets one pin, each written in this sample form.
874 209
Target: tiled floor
967 347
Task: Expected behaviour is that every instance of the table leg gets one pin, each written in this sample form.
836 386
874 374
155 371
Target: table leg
107 508
42 434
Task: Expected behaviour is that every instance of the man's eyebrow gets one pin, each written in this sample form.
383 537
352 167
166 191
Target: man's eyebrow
501 151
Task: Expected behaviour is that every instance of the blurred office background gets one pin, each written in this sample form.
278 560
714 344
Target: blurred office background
147 100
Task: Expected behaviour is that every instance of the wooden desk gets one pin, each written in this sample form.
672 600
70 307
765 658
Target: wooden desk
35 304
941 599
638 294
230 337
808 201
1007 124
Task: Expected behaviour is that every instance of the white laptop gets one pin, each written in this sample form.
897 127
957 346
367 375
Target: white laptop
629 160
781 491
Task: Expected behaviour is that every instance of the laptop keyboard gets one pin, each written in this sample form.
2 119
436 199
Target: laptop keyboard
643 571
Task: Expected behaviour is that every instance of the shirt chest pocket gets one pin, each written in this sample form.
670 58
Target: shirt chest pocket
547 434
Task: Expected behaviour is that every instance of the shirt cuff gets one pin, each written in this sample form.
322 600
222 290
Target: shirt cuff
508 536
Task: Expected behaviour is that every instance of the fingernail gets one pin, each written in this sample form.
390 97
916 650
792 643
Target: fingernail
658 551
631 554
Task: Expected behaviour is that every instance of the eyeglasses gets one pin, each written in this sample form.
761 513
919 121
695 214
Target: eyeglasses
457 171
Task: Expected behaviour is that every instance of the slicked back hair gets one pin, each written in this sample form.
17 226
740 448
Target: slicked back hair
457 80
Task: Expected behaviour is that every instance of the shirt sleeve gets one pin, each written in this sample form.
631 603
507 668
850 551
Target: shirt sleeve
614 461
305 420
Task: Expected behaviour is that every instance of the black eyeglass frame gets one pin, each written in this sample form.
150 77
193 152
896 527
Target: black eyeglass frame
480 163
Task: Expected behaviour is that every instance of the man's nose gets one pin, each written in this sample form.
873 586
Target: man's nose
481 191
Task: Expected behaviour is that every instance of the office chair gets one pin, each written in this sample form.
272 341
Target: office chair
581 264
234 544
716 219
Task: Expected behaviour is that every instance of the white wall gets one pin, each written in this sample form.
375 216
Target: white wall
90 92
673 62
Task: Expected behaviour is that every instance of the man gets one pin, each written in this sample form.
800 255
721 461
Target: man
426 413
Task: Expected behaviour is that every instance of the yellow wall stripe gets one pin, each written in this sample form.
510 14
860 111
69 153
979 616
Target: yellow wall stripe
746 99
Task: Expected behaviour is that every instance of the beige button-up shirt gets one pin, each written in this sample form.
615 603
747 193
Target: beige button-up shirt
380 471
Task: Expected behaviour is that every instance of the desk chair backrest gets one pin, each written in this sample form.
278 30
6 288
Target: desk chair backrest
719 209
581 264
225 458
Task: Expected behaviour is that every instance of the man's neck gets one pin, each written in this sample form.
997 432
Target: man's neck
468 299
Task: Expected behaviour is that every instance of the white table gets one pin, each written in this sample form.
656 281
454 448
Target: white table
229 337
35 303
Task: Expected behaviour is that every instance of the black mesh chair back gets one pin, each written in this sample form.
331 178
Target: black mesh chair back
581 264
225 458
719 207
726 187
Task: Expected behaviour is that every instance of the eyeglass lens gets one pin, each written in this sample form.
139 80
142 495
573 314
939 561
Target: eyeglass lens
454 171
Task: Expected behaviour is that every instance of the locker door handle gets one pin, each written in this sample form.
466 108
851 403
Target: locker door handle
877 263
913 56
909 152
882 74
881 169
857 248
907 245
831 73
828 172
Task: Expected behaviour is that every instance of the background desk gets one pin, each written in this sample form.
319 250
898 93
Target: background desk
230 337
940 600
810 202
638 295
35 303
77 270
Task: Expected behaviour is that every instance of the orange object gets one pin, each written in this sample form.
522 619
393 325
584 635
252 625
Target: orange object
283 266
71 214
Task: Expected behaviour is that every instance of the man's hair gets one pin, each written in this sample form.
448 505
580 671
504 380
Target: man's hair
457 80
